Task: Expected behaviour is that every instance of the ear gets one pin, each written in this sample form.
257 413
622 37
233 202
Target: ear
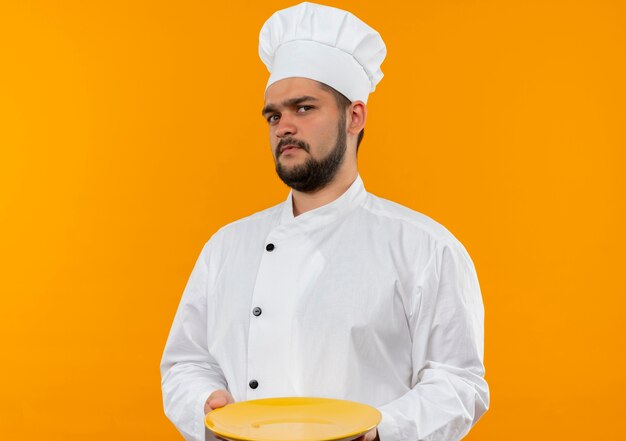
356 117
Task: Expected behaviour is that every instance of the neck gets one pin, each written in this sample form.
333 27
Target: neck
303 202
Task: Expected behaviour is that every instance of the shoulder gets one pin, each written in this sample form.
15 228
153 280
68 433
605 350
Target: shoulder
409 220
252 225
417 233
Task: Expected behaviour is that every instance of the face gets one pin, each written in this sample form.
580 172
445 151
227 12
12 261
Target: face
307 133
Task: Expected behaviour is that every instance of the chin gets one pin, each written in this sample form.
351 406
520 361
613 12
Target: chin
286 160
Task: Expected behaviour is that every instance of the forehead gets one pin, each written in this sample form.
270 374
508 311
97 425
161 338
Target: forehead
293 87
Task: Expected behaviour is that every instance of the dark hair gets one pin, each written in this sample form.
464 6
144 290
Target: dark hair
343 103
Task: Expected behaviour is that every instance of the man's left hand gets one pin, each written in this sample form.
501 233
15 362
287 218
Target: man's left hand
369 436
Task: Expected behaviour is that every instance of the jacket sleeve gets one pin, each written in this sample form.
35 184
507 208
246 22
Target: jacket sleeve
449 392
189 374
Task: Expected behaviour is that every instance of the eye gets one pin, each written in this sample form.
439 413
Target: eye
273 118
303 109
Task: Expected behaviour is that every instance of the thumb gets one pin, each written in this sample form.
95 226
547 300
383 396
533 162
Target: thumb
219 401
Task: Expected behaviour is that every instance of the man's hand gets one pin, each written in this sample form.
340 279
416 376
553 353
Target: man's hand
369 436
219 398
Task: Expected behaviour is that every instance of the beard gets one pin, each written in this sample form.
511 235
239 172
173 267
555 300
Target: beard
314 174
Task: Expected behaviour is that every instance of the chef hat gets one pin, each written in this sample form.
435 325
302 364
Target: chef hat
324 44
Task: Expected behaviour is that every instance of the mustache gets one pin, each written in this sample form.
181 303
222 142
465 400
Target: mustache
291 141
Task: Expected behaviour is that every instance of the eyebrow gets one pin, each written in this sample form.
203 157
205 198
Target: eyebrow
292 102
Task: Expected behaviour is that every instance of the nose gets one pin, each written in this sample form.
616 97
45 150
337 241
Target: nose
285 126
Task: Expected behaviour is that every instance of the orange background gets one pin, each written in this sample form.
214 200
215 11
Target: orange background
130 131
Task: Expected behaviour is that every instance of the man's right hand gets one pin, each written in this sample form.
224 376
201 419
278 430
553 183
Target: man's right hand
219 398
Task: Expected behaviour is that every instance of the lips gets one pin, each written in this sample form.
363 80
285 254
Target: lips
290 144
288 147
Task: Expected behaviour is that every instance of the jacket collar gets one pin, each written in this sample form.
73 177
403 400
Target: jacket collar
352 198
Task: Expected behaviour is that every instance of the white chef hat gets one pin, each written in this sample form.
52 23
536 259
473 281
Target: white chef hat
324 44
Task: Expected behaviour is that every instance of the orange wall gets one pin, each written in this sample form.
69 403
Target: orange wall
130 131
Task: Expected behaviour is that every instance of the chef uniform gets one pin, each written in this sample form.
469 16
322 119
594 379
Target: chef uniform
360 299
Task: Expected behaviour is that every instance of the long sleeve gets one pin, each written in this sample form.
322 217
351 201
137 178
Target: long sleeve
189 373
449 392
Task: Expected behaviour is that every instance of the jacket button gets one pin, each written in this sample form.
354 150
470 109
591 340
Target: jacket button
253 384
270 247
257 311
